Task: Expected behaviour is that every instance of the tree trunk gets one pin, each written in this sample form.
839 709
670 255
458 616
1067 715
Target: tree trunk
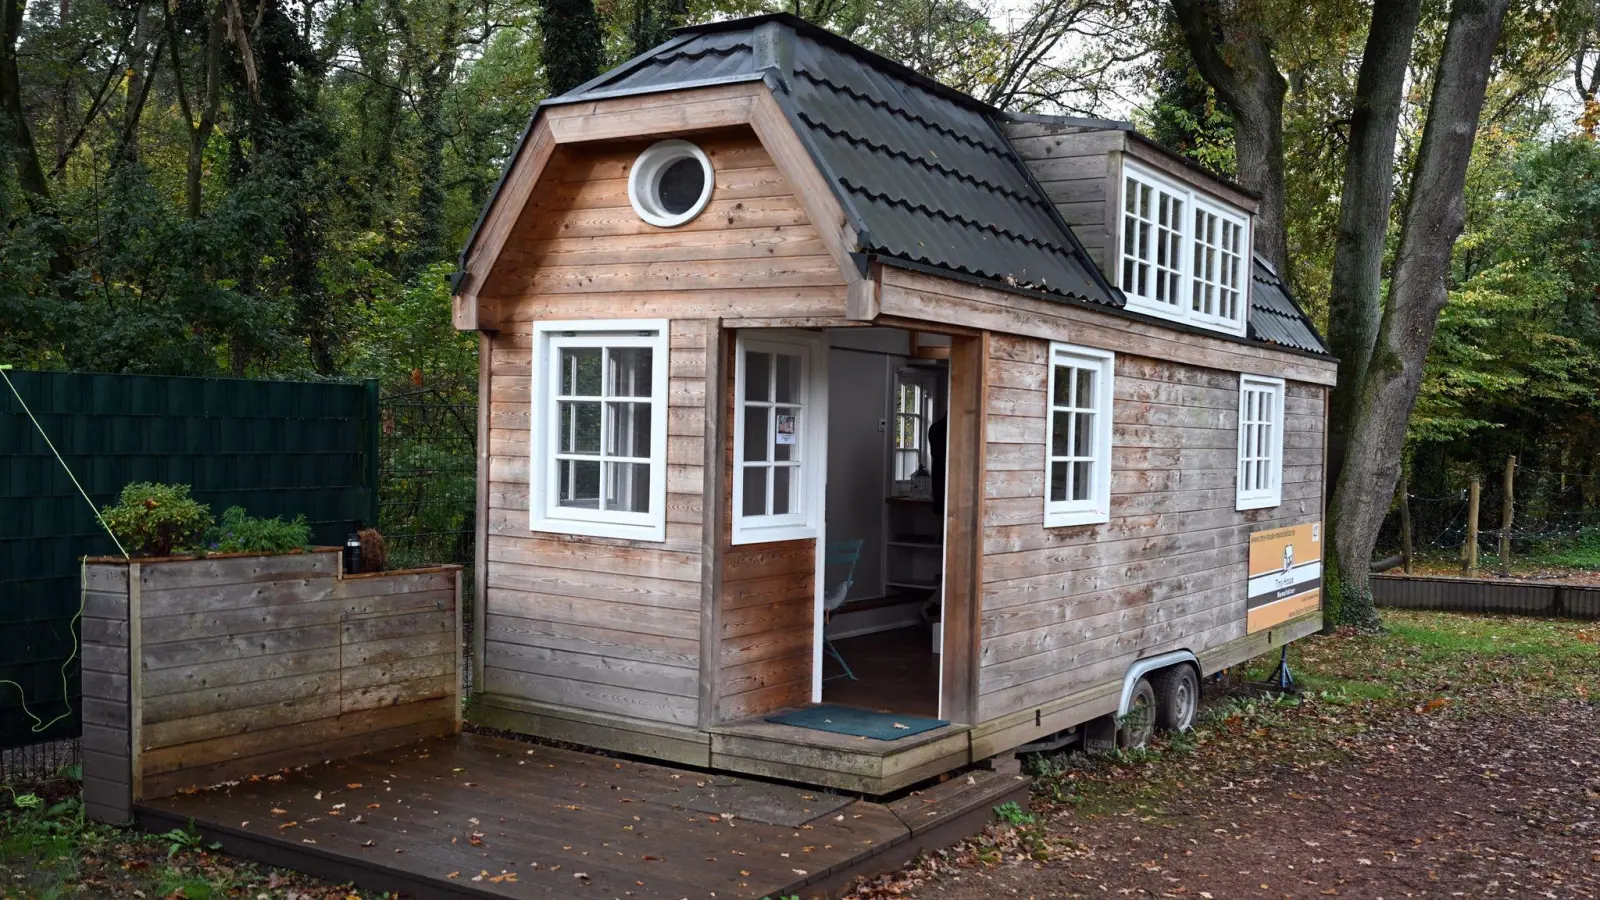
1235 58
1435 215
16 139
573 49
63 94
1355 301
200 134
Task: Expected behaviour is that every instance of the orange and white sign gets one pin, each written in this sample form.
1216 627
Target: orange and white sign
1285 575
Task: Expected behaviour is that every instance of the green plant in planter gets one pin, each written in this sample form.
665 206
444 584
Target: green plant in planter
239 533
156 519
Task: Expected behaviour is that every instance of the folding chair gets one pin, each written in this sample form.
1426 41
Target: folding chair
837 554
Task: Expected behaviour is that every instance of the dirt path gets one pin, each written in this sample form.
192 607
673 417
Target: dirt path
1444 808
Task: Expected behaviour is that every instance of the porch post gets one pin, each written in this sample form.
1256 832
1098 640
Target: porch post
964 478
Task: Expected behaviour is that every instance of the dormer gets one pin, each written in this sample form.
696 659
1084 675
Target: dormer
1174 238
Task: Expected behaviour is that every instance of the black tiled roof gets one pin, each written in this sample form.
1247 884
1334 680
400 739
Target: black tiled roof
1275 317
923 171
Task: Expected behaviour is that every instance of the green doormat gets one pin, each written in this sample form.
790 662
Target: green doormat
860 722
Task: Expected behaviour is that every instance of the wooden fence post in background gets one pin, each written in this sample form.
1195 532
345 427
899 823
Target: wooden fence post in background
1469 550
1405 522
1507 505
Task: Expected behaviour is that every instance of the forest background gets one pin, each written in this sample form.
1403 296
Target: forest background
279 188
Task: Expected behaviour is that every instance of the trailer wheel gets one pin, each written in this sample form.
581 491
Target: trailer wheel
1177 698
1135 729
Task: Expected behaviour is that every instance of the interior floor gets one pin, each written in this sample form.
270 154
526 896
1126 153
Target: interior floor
895 671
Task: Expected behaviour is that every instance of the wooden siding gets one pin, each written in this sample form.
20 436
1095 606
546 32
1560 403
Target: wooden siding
108 723
248 664
1065 608
1073 165
614 626
766 604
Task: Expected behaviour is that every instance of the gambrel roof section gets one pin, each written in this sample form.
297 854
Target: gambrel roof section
918 172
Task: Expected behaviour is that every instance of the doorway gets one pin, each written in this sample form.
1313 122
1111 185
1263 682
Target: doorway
882 582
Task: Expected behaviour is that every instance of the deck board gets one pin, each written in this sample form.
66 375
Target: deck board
544 814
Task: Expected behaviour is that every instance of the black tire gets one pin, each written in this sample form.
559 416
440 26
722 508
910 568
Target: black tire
1138 726
1177 698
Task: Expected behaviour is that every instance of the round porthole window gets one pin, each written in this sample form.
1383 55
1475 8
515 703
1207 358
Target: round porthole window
670 183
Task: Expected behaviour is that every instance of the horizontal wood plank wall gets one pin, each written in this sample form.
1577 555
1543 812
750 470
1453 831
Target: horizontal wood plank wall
1066 608
251 664
767 609
107 744
613 626
1072 164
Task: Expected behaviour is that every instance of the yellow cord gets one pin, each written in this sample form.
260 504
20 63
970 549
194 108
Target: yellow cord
40 725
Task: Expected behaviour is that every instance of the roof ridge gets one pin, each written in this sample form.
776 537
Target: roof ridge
952 217
901 113
940 168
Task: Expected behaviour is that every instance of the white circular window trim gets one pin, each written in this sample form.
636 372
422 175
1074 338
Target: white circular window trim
644 182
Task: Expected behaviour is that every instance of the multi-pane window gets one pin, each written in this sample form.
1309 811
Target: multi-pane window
775 429
1078 438
1260 442
1183 255
910 429
1152 234
1217 268
598 461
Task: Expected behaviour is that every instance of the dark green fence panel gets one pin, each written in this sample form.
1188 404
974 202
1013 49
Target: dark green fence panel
276 448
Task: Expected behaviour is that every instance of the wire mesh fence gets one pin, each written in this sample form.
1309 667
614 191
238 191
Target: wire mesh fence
1554 519
34 763
427 482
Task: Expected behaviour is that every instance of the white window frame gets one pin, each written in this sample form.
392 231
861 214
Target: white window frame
812 428
544 514
915 423
1271 390
1096 508
1193 200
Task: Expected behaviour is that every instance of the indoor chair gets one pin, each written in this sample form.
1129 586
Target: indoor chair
838 554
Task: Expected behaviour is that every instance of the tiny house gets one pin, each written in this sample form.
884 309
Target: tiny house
839 428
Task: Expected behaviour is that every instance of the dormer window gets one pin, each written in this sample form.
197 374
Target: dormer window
1183 253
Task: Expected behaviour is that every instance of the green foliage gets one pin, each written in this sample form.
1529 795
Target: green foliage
1013 814
239 533
155 519
180 839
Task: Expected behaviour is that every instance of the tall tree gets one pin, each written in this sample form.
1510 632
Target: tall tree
18 153
574 51
1234 55
1419 288
1354 300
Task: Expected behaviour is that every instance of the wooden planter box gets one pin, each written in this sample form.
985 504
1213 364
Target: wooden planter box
1529 598
203 670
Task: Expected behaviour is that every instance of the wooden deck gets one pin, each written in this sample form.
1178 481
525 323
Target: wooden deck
475 816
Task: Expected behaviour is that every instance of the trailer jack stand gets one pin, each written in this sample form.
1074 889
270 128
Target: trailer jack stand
1282 676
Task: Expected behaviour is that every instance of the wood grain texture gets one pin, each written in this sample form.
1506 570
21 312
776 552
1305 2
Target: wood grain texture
1067 609
276 673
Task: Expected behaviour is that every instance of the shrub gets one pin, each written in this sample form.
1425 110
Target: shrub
156 519
240 533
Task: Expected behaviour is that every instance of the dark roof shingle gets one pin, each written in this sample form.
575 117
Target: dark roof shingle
922 170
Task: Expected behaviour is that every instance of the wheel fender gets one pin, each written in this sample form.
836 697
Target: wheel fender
1147 665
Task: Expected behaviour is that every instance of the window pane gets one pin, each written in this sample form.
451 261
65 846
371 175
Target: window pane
580 371
786 439
578 483
755 491
756 439
629 372
628 428
628 487
1063 395
1083 435
1058 481
788 378
1060 433
1085 393
783 485
580 427
1082 479
758 376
